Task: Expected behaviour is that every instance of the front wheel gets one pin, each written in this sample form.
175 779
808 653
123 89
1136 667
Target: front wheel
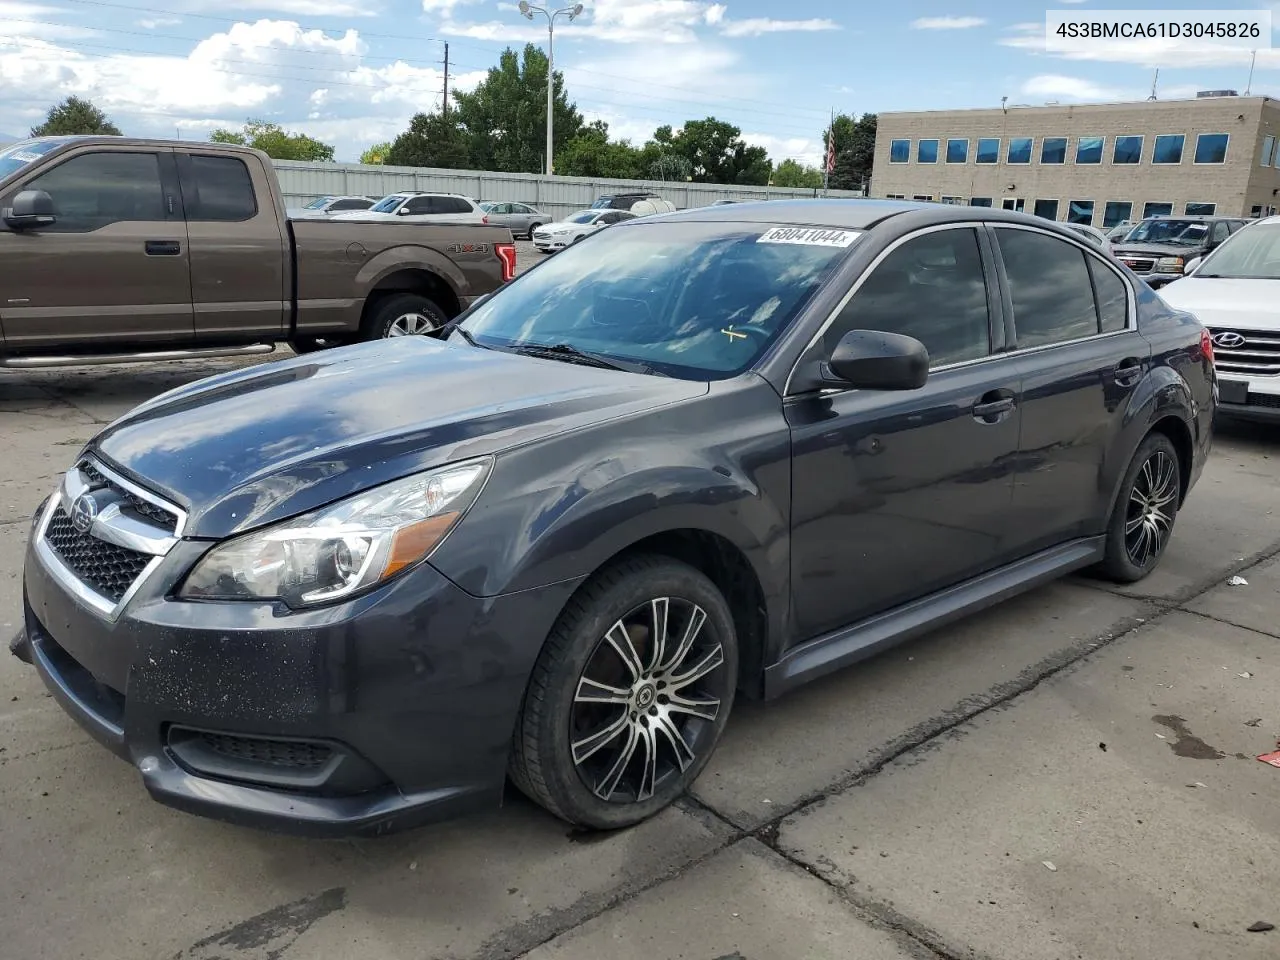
403 315
533 227
629 696
1142 519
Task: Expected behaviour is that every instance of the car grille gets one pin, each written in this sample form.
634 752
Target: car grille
277 753
145 508
1263 400
1138 264
109 569
1257 356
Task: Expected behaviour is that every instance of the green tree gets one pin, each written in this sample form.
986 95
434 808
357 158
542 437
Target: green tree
855 148
377 154
75 116
592 154
505 116
432 140
791 173
273 140
716 152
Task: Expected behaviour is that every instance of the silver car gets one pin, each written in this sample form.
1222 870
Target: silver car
520 218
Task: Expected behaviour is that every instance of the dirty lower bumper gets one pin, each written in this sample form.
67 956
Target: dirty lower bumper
390 711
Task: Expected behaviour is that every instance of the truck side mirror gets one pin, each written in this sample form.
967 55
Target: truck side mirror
31 208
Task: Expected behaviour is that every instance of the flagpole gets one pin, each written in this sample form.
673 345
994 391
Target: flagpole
826 161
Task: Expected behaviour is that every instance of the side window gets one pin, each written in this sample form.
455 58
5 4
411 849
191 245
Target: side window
458 205
1050 288
609 218
420 205
520 208
932 288
95 190
223 189
351 205
1220 232
1112 294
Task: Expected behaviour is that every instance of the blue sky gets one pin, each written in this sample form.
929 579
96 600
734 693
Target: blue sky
352 72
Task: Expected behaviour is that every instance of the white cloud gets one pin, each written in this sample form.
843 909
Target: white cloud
806 150
714 13
947 23
1056 86
758 26
299 8
16 17
443 6
152 23
1147 53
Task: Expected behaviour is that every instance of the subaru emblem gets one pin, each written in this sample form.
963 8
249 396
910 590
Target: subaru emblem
83 512
1228 340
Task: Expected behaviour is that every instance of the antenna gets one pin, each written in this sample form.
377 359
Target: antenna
1004 104
1253 58
1154 81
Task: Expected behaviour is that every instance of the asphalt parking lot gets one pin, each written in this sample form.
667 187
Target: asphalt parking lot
1069 775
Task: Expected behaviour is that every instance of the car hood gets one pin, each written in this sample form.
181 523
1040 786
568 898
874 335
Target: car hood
1227 304
1157 249
258 445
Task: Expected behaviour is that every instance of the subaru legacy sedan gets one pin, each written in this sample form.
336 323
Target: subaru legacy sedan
699 456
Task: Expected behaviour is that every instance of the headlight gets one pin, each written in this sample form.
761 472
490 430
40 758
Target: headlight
343 548
1169 265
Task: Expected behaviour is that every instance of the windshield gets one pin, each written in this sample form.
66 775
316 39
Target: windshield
1251 254
487 206
1189 232
698 301
586 216
17 155
387 204
602 204
316 204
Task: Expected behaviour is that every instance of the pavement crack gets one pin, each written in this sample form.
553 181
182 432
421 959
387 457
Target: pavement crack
1231 623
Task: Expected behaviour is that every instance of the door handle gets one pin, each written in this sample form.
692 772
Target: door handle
163 248
992 406
1127 372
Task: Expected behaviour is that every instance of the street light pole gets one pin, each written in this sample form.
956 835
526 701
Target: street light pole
527 10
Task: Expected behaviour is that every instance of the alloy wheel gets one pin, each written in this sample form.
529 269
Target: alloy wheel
411 325
646 702
1149 519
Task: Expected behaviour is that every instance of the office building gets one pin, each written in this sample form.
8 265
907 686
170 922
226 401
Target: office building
1099 164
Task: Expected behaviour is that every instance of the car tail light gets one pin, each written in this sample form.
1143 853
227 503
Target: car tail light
507 254
1206 345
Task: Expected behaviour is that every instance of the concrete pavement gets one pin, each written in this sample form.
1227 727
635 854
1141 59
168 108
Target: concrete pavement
868 815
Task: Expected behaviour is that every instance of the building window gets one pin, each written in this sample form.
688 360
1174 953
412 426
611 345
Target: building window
927 151
922 197
1156 210
1020 149
1127 150
1194 209
988 150
1089 150
1053 150
980 202
1168 148
1212 148
899 151
1116 212
1268 148
1255 211
1048 209
957 151
1080 211
1016 204
895 196
954 201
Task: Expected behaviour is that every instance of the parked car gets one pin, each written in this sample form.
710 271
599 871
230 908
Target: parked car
421 207
520 218
712 454
641 203
327 206
563 233
1120 230
117 249
1234 292
1092 234
1158 248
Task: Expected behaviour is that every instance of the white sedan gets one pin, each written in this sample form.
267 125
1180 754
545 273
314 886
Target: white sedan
1234 291
562 233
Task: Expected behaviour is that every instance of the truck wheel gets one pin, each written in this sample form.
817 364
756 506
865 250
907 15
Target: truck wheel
629 695
403 315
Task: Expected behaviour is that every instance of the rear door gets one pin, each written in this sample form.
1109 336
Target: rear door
114 269
239 274
1081 357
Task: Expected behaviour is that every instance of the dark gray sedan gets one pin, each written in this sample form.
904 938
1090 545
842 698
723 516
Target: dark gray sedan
520 218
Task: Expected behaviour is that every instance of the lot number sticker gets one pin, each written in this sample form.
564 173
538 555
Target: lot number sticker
810 236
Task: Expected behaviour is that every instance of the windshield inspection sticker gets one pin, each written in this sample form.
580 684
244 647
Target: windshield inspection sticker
24 156
810 236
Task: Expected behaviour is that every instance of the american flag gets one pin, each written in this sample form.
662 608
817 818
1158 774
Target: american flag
831 149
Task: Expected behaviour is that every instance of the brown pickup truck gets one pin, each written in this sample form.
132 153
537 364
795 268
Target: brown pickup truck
115 249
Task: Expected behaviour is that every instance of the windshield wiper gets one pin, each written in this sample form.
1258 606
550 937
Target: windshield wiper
466 335
571 354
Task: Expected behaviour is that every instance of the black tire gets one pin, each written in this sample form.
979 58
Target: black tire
382 315
532 227
312 344
542 760
1147 502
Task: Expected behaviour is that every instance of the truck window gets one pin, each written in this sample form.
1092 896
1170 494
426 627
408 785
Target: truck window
223 189
94 190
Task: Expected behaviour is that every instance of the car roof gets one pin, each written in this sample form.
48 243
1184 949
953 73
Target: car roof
849 214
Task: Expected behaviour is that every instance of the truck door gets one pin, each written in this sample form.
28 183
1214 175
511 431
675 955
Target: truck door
113 269
239 275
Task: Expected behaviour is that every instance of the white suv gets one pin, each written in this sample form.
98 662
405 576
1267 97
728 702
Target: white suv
436 207
1234 291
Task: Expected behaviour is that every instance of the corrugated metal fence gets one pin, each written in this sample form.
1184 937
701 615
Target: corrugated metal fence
302 181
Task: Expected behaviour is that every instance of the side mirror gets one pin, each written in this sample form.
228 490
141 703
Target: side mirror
1189 267
403 211
31 208
872 360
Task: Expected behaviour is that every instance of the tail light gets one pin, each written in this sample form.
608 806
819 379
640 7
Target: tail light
507 254
1206 345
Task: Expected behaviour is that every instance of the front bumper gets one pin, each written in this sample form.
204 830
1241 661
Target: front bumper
1256 399
551 244
409 695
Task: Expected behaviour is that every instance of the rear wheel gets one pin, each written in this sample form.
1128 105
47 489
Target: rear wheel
629 695
1143 517
403 315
